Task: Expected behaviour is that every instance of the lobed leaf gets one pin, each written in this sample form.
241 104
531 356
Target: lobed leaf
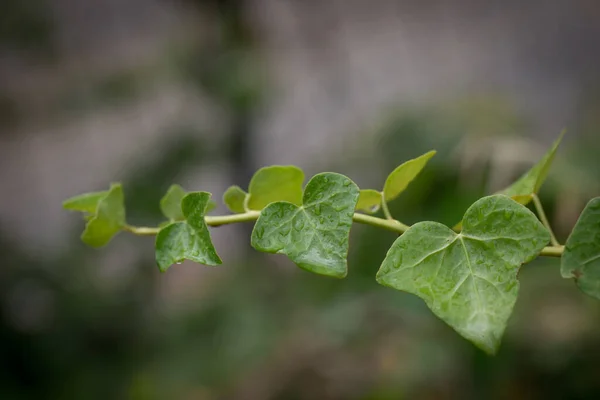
369 201
581 258
87 202
275 183
234 198
523 200
108 220
402 176
531 182
189 239
314 235
469 280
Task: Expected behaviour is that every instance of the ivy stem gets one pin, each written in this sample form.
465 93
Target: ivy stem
210 221
384 207
141 230
248 216
387 224
553 251
540 210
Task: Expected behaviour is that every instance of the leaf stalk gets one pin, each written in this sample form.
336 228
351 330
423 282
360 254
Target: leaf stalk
250 216
540 210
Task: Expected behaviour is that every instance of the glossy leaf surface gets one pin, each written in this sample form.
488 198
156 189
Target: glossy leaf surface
581 258
314 235
189 239
469 280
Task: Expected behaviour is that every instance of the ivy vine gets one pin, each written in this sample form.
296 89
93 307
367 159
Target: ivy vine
467 275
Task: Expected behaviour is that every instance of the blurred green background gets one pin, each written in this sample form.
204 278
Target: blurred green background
202 93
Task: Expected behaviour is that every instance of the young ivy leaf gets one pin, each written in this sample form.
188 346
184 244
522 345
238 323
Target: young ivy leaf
189 239
369 201
314 235
469 280
170 204
581 258
108 220
87 202
275 183
528 184
234 198
399 179
531 182
211 205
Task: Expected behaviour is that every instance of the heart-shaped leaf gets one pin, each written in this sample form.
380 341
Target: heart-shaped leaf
369 201
531 182
189 239
87 202
108 220
234 198
469 280
170 204
398 180
523 200
581 258
314 235
275 183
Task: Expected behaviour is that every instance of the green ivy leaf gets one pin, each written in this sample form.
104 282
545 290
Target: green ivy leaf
399 179
314 235
170 204
528 184
108 220
581 258
275 183
234 198
469 280
531 182
189 239
523 200
211 205
87 202
369 201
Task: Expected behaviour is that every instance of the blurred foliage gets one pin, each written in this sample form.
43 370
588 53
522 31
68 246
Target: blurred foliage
26 26
266 331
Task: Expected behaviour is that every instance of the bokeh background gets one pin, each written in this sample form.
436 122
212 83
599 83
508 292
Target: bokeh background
204 92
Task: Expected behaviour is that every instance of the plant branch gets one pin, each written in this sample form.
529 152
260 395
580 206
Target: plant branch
384 207
141 230
387 224
553 251
248 216
210 221
540 210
